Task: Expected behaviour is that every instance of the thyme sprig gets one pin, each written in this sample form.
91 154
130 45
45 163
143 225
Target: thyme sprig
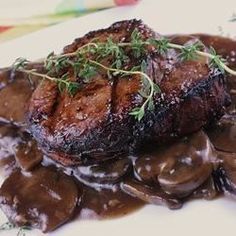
88 59
152 88
189 52
10 226
216 60
7 226
63 83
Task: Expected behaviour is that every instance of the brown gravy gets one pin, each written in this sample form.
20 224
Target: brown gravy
38 194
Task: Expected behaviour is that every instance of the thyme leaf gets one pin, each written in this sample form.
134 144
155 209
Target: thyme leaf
20 63
137 44
162 44
189 52
10 226
216 61
22 230
89 58
7 226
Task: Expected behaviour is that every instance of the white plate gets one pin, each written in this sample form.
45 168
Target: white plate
198 217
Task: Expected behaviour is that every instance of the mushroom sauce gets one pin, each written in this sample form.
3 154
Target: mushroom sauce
42 194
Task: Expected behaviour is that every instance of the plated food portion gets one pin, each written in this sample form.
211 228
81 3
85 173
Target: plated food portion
122 118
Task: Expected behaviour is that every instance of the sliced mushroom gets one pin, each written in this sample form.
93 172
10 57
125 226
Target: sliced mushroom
152 195
42 199
226 173
188 165
207 190
148 166
110 171
223 134
9 139
28 155
179 168
15 92
13 99
103 203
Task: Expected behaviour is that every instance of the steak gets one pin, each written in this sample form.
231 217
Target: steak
95 124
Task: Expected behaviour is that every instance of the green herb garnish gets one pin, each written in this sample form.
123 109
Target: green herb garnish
10 226
7 226
87 60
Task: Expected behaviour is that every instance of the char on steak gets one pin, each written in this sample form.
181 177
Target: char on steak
95 123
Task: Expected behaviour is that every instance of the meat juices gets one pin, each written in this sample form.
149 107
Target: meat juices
200 165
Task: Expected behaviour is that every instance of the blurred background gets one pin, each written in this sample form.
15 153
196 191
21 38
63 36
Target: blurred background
19 17
34 28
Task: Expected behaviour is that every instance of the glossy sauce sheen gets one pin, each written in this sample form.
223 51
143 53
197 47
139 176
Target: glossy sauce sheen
202 165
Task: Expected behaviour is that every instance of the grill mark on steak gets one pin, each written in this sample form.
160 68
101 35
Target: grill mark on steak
95 124
113 97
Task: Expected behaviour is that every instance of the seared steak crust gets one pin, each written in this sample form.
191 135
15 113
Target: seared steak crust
95 123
